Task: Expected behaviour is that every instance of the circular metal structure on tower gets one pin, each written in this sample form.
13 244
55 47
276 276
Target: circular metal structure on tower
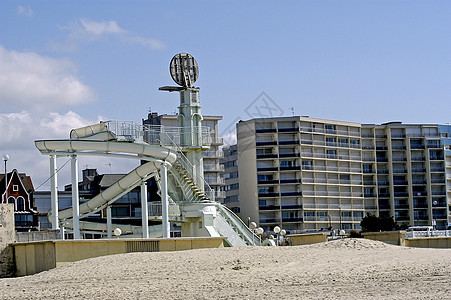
184 69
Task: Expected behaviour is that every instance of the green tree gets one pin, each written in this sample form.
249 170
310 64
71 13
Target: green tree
371 223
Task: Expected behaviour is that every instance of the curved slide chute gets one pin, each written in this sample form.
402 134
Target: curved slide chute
155 155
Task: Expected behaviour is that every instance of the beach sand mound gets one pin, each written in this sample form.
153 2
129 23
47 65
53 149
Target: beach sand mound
352 243
340 269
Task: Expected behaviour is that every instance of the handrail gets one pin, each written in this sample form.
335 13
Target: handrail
186 164
224 211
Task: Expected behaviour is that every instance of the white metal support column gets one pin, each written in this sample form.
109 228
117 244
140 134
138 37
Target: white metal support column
109 223
144 210
54 192
164 201
75 197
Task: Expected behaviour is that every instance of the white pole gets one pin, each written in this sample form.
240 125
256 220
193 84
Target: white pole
54 192
62 232
144 210
109 223
75 202
164 201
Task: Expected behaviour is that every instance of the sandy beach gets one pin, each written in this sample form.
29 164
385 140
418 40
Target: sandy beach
344 269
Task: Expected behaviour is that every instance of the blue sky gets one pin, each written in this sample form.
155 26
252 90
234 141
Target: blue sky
65 64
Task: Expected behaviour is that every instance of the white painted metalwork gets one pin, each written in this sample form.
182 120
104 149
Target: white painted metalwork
54 192
75 197
144 211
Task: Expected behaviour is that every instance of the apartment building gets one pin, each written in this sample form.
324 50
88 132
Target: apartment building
308 173
212 167
404 168
231 187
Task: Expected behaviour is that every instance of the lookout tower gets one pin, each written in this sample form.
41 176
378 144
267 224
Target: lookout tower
193 139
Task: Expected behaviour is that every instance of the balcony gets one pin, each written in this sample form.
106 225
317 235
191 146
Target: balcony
290 194
266 130
418 170
213 168
266 143
266 169
417 158
384 195
213 154
398 147
368 147
272 194
382 171
292 206
400 182
438 193
383 183
269 207
269 221
275 181
289 142
399 159
416 146
381 148
436 157
399 171
398 135
263 156
438 180
294 154
401 206
290 181
381 136
288 220
381 159
290 129
418 182
217 141
369 195
402 218
438 170
401 194
290 168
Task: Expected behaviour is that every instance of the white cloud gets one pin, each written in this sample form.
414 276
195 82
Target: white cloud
29 80
18 131
86 30
98 28
24 11
230 139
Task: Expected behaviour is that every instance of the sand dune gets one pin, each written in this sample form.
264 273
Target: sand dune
344 269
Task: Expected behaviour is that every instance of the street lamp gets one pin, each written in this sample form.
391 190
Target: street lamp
252 225
434 223
259 232
283 232
276 231
5 158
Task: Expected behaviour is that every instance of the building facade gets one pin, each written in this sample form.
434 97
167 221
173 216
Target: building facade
211 157
304 173
19 191
231 187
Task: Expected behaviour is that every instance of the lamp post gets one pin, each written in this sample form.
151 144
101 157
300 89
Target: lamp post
283 232
434 223
277 231
5 158
252 225
259 232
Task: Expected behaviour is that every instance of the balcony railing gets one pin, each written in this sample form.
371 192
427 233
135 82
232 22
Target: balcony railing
290 194
290 129
266 143
266 169
266 130
262 156
289 142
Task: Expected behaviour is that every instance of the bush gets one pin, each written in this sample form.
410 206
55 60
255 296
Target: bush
371 223
355 234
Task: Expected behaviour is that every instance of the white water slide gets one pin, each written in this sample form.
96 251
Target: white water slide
125 139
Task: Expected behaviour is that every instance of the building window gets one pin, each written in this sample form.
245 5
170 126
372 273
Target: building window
15 188
20 204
